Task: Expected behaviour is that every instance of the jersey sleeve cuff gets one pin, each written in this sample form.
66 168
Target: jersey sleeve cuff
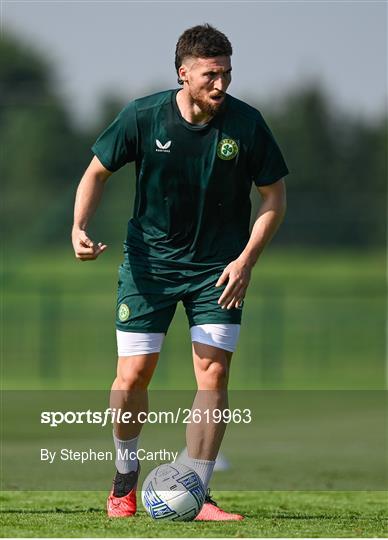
104 162
272 180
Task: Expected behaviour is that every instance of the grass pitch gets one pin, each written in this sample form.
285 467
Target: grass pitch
268 514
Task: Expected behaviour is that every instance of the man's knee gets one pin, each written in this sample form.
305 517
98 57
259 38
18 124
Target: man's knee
131 380
135 372
215 375
211 366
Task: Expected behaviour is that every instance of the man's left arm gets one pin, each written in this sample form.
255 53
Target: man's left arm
238 272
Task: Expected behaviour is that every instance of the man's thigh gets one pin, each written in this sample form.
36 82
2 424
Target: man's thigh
146 302
201 302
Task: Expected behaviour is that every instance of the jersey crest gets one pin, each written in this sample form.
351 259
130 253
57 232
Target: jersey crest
227 149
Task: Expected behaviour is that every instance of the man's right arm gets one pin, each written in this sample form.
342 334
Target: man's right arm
87 198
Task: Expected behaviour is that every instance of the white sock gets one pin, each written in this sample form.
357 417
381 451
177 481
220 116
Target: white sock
202 467
125 466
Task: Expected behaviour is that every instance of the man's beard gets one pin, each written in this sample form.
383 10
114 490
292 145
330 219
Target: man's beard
208 107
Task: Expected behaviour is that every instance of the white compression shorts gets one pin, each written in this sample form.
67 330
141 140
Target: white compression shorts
223 336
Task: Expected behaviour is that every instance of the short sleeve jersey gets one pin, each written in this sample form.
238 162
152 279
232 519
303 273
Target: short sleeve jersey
192 201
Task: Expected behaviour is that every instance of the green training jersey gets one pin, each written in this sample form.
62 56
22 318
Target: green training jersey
192 202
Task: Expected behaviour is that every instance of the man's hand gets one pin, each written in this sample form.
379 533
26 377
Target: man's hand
238 275
84 247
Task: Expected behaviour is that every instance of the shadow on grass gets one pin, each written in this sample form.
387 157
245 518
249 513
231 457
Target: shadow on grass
54 511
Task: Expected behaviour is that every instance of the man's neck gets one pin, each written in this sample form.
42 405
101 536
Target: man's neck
190 110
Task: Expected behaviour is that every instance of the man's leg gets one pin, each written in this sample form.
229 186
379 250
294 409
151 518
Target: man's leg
211 367
129 393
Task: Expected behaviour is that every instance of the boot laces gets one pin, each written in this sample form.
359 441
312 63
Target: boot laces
208 498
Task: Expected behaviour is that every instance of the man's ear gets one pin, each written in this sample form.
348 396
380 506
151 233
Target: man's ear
182 72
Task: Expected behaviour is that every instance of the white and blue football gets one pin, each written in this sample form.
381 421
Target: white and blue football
173 492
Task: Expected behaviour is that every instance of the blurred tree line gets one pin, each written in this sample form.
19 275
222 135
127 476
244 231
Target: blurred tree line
336 190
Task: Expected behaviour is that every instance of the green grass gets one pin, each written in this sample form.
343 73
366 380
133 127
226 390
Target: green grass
268 514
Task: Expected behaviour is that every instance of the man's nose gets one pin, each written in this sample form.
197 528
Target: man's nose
221 83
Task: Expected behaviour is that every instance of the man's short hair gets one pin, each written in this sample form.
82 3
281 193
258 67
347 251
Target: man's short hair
202 41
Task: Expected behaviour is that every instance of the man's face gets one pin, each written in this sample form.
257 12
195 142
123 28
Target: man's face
207 80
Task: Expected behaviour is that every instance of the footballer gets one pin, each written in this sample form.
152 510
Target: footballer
197 152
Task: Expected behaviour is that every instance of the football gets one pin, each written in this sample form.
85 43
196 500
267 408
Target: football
173 492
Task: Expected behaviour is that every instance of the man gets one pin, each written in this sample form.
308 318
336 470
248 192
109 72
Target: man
197 151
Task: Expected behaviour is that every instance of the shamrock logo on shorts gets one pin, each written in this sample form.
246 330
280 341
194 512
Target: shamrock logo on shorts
124 312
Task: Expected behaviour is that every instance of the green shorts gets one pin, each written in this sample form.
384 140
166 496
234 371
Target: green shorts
147 298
